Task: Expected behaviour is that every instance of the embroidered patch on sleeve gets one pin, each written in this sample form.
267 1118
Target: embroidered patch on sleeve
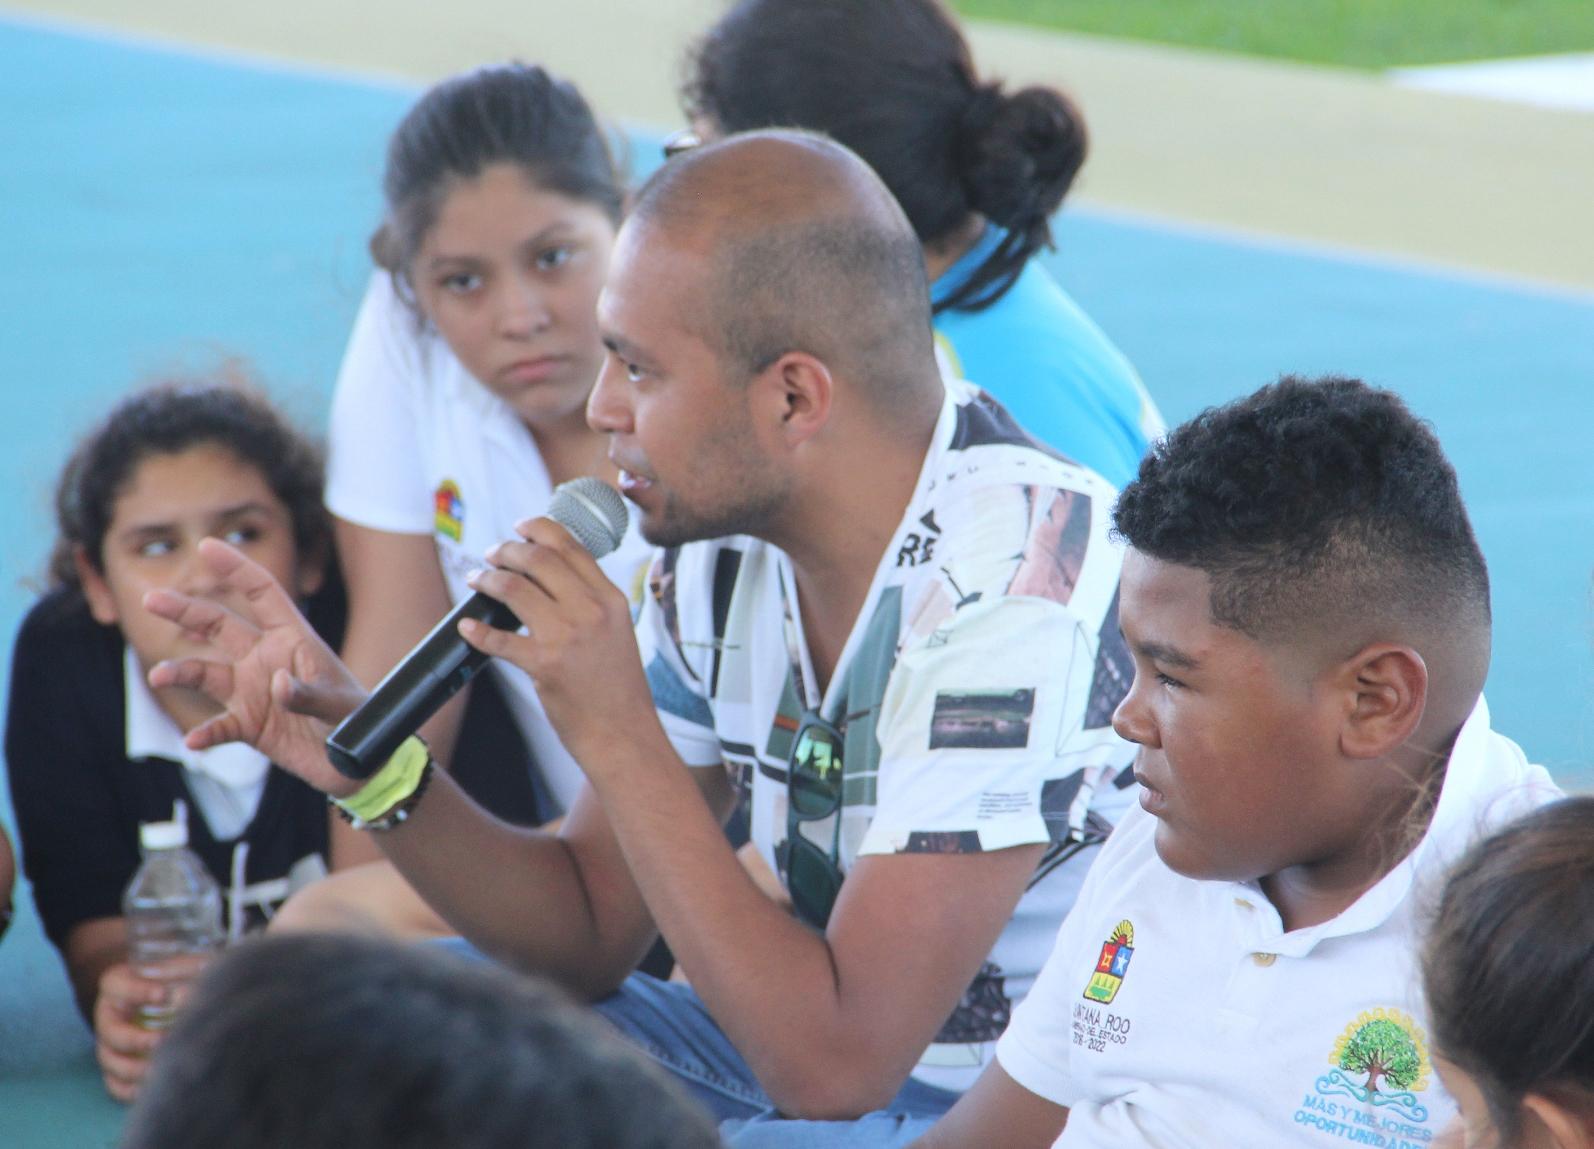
1112 965
982 719
448 510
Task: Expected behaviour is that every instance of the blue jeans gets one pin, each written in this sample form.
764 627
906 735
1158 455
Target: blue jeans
668 1022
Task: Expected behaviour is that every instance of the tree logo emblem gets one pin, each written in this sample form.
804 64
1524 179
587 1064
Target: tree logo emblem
1112 965
1381 1060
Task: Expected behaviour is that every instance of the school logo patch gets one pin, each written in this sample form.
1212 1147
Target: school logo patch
448 510
1112 965
1380 1060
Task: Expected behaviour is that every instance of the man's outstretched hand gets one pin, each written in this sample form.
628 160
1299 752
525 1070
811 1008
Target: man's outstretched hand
281 687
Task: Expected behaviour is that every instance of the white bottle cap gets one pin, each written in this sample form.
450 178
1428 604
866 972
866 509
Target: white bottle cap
163 835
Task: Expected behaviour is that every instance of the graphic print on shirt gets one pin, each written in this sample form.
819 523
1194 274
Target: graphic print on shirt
1370 1095
919 546
982 719
1113 674
1095 1029
984 422
1112 965
973 696
448 511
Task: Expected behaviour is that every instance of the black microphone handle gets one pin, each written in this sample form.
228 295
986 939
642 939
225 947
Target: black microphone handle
414 690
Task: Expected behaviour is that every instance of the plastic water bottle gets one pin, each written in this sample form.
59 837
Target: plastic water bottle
173 908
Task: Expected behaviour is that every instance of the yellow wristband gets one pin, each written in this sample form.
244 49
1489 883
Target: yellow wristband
394 782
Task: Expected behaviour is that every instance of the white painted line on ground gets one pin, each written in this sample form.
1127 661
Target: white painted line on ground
1563 82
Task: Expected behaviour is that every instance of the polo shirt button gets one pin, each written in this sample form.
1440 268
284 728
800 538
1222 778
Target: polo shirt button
1264 959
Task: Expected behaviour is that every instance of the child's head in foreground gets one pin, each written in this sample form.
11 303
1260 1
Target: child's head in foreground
1308 614
1509 974
324 1041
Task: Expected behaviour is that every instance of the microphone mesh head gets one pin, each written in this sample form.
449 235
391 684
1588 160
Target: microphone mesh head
592 511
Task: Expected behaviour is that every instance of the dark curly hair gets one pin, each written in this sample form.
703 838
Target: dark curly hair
343 1042
1506 969
168 418
1307 502
893 80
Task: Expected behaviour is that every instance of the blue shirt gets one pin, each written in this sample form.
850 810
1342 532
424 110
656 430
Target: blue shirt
1050 366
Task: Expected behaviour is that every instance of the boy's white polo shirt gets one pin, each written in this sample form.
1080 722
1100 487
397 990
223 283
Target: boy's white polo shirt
1176 1012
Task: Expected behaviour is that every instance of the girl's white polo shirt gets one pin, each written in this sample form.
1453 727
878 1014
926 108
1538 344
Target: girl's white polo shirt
1176 1012
418 446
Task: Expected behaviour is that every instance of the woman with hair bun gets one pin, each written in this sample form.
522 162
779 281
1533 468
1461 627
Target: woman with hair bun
979 172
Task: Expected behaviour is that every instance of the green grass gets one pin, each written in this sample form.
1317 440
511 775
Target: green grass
1357 33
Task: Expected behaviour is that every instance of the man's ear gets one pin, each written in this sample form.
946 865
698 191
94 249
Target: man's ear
1550 1124
799 390
96 591
1386 688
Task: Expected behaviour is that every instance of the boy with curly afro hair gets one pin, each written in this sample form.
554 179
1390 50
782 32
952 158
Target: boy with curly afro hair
1308 614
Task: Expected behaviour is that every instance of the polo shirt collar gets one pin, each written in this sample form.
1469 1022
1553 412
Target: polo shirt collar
1481 767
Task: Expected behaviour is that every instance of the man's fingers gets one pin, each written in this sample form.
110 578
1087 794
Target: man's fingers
509 587
223 728
206 620
547 532
327 704
541 586
548 569
270 604
488 638
548 535
212 679
215 681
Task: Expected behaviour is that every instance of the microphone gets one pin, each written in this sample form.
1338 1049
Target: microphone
442 662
